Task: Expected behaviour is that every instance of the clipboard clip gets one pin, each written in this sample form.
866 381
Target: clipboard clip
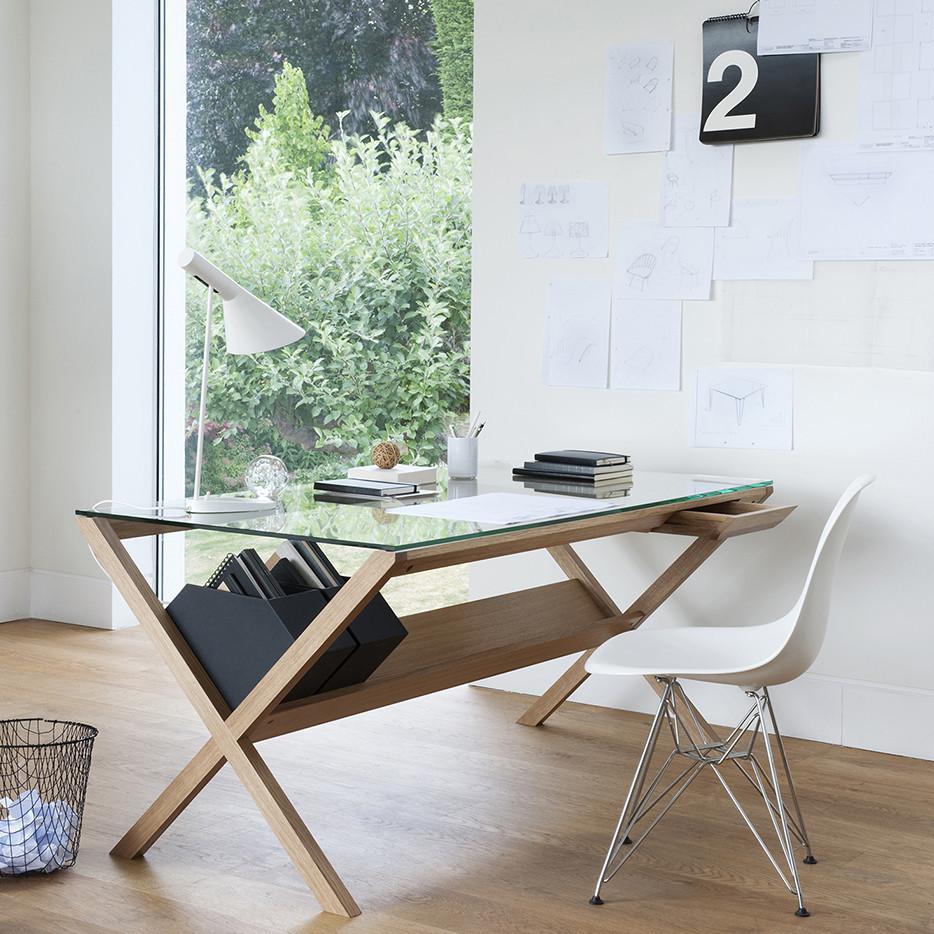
749 16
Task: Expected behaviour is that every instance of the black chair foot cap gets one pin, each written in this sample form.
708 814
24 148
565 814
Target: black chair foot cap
596 900
810 860
627 841
803 913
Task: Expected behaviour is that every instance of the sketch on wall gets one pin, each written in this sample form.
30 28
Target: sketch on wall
897 80
697 180
563 219
654 262
637 106
865 315
858 205
577 333
645 345
743 408
787 27
762 242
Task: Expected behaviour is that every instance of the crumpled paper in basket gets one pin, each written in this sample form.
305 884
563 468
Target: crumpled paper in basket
36 835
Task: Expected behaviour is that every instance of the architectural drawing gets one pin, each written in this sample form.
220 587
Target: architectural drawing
645 345
559 219
743 408
664 262
787 27
762 242
866 205
897 79
577 333
865 315
697 180
637 114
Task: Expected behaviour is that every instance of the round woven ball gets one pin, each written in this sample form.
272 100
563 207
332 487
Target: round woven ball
386 455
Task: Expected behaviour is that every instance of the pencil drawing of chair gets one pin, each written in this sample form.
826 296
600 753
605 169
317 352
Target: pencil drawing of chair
640 269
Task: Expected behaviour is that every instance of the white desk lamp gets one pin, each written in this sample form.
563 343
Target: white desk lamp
250 326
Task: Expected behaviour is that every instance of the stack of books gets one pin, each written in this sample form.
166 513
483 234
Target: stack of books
596 474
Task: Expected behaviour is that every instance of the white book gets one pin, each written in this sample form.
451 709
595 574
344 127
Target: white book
401 473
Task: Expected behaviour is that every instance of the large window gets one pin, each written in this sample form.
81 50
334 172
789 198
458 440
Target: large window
327 168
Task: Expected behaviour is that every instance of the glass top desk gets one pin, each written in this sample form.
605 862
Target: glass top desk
367 525
444 647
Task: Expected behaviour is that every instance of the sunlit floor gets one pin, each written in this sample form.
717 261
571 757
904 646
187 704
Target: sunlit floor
442 815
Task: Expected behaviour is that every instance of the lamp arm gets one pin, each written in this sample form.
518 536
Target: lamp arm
205 363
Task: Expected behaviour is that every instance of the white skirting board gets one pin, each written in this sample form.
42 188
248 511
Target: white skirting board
14 594
72 598
861 714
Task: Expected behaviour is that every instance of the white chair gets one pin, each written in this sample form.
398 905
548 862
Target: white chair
753 658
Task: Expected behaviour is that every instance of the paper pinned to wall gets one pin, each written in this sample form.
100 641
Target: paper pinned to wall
896 95
787 27
698 180
564 219
637 106
645 350
577 333
762 242
664 262
859 205
743 408
865 315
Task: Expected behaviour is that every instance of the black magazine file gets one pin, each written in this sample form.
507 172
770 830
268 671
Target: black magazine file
238 639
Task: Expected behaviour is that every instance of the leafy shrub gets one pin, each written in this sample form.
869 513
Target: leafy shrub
369 251
453 47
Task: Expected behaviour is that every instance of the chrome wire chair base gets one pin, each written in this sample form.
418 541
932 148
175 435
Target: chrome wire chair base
737 750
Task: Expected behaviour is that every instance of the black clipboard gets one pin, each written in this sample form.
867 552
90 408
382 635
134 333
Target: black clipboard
778 94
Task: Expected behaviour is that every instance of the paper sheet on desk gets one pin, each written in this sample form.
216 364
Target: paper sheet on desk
505 508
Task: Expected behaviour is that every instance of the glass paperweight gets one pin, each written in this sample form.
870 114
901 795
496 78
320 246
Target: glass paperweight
266 477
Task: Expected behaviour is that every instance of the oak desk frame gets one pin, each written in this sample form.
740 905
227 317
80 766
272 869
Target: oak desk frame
445 647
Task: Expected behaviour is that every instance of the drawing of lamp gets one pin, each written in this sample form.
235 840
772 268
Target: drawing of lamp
579 231
552 231
529 229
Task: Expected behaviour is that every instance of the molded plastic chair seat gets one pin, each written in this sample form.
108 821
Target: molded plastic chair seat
725 654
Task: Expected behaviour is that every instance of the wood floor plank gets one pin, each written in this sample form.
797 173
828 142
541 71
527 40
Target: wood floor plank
444 817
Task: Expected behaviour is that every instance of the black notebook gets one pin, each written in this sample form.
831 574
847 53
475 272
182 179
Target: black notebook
584 458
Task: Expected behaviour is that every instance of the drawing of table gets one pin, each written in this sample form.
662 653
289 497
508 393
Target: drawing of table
444 647
739 390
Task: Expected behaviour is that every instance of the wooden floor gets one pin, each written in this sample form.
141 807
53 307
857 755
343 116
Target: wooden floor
442 815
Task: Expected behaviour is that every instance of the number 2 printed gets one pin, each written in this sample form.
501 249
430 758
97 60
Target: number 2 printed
720 118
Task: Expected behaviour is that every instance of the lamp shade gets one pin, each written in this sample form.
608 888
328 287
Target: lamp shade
250 325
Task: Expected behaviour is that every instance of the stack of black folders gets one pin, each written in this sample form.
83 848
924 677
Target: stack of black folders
595 474
248 614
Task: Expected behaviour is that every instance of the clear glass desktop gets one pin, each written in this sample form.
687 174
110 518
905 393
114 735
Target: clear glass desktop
366 524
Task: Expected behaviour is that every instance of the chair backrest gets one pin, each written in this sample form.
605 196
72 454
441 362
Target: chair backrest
811 613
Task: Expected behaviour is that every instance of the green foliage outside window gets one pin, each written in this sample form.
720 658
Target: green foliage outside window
363 240
453 46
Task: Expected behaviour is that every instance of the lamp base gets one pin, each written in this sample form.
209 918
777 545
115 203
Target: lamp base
231 503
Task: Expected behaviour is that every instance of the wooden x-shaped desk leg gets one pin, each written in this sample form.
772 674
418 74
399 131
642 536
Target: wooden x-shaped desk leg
669 581
230 729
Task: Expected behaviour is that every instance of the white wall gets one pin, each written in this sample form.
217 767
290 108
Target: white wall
14 302
539 97
70 281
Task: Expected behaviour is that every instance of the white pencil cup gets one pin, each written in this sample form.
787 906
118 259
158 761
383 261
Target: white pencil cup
462 458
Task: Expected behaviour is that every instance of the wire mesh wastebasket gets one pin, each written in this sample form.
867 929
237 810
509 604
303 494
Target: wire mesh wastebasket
44 766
